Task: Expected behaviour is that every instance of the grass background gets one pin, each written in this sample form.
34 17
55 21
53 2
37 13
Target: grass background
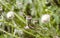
34 9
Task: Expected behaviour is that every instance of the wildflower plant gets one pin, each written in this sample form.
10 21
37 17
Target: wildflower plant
29 19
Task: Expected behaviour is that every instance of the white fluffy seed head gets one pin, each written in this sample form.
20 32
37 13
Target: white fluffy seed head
10 15
45 18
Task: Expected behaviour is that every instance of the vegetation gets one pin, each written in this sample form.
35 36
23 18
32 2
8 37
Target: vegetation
29 19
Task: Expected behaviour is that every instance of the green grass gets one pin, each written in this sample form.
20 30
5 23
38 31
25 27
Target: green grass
34 9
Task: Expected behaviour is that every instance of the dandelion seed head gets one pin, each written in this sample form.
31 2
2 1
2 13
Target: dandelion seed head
45 18
10 15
